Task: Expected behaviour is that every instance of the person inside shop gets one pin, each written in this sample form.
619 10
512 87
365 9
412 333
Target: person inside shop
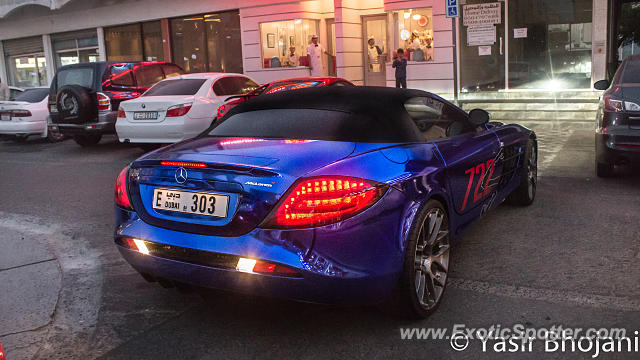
314 55
5 94
414 47
400 64
293 59
374 55
428 49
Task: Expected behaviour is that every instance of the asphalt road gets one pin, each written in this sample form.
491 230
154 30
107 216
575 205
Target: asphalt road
570 259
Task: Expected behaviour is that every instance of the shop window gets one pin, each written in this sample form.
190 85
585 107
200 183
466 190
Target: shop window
276 39
413 32
134 42
77 47
208 42
123 43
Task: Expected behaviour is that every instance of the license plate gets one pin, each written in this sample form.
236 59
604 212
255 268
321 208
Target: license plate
190 202
145 115
5 117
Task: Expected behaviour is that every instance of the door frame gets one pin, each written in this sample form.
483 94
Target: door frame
363 19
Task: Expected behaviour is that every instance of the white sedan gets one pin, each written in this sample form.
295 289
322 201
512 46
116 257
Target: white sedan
178 108
26 115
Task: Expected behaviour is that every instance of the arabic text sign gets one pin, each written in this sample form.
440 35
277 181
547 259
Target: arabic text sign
482 14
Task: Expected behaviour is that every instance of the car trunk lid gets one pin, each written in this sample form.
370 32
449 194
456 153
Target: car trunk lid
251 173
152 108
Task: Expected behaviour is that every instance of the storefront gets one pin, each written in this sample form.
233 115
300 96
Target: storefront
495 46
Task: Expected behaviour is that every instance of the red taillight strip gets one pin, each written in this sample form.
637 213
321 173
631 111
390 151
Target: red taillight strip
628 146
183 164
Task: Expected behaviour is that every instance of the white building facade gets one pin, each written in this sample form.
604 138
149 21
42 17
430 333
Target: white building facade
494 46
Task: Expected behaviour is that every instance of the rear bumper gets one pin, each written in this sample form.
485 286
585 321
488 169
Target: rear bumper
23 127
169 130
617 149
356 261
104 124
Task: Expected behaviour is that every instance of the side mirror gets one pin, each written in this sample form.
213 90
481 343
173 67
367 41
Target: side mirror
601 85
478 117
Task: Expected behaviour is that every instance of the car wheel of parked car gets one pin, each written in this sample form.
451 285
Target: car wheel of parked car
74 102
524 194
604 169
87 140
426 266
54 136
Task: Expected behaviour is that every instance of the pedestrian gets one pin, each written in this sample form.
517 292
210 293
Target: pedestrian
292 59
400 63
374 56
5 94
314 55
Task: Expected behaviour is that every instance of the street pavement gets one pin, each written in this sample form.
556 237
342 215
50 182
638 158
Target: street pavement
570 259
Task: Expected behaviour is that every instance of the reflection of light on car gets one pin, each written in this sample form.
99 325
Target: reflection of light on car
240 141
142 247
296 141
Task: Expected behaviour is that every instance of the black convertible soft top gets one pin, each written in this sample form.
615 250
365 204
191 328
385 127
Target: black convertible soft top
358 113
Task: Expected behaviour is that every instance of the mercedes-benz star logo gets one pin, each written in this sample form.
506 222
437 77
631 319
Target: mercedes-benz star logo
181 175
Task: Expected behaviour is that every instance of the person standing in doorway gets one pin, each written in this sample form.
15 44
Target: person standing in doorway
400 63
5 94
314 55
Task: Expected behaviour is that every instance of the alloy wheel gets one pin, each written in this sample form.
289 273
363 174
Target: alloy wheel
532 170
432 259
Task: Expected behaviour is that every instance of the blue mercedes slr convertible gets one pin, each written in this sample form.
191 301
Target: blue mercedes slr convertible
333 195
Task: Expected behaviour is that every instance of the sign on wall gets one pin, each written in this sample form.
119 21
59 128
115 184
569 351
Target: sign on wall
452 8
481 35
482 14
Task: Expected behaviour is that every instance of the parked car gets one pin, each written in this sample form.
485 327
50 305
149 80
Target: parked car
27 115
349 194
282 85
618 119
178 108
84 98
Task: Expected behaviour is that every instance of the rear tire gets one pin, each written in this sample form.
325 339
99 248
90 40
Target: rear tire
604 170
525 193
87 140
425 272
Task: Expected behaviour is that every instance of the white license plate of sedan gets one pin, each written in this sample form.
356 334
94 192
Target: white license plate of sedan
190 202
5 117
145 115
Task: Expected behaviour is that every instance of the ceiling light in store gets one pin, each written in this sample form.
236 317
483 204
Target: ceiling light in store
193 19
297 21
416 17
216 20
407 14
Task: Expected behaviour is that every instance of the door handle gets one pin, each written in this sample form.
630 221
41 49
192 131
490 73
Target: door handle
501 43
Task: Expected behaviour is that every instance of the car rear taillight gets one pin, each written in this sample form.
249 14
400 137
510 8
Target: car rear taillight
121 197
178 110
104 103
221 111
121 113
20 113
612 104
263 267
53 108
324 200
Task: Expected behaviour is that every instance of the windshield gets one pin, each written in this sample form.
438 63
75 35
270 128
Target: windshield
175 87
33 95
311 124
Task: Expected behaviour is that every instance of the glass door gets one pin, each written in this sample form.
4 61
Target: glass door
482 46
375 49
331 45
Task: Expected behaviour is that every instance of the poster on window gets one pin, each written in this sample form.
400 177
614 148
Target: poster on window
482 14
481 35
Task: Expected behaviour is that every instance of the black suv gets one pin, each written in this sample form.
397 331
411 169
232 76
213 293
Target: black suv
618 119
84 98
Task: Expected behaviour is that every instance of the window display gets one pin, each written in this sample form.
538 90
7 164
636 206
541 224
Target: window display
413 32
284 43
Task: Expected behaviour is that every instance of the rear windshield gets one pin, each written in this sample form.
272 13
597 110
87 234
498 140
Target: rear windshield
82 76
176 87
312 124
33 95
631 73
